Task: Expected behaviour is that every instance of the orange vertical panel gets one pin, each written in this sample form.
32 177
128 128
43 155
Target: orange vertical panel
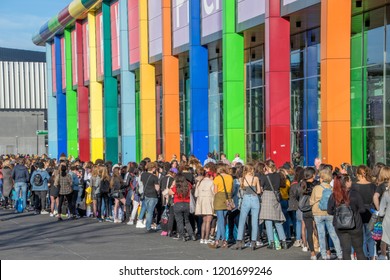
170 67
335 81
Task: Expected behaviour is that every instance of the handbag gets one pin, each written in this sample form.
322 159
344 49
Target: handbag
277 194
229 202
344 217
115 194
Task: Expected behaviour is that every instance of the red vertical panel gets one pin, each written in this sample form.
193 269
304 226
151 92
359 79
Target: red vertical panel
133 31
74 57
63 69
85 39
277 79
115 54
82 96
53 67
99 45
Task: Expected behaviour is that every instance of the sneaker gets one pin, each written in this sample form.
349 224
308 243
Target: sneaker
117 221
140 224
55 212
313 258
259 244
51 214
297 243
305 249
201 241
382 258
100 220
44 212
109 220
131 222
164 233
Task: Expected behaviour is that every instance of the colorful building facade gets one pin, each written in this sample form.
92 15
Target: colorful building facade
290 80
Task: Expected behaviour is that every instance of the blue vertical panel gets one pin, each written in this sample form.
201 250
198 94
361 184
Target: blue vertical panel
198 85
311 103
129 143
51 107
61 102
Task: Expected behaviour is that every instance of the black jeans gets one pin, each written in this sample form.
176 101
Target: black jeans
171 219
309 221
232 221
182 213
69 198
40 200
100 198
351 238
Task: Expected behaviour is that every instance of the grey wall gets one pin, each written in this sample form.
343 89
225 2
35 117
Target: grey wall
17 132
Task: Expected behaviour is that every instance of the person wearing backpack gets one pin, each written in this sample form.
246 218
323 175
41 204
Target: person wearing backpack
39 183
319 201
307 185
346 205
21 178
366 188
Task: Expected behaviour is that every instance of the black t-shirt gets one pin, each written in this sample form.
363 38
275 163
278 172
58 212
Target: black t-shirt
366 191
381 189
189 177
275 180
149 180
165 182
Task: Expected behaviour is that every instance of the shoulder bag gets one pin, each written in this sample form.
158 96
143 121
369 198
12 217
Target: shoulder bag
229 202
277 194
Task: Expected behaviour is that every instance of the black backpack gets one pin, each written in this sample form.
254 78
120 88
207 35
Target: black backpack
38 180
104 186
344 217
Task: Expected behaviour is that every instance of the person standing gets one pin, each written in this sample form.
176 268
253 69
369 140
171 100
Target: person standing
343 194
384 210
39 182
21 178
64 182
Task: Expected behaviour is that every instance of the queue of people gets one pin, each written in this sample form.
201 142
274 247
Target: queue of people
327 212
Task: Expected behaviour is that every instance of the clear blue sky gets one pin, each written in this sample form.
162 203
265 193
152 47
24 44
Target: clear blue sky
21 19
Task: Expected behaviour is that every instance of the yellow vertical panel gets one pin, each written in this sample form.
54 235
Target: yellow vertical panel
96 95
147 88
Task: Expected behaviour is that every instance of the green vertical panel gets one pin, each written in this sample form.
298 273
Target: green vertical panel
111 127
233 83
71 100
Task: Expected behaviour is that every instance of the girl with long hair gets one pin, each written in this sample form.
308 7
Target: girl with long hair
204 193
366 188
64 182
94 183
384 210
180 190
250 187
344 194
116 184
104 187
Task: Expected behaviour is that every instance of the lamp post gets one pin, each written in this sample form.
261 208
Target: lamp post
37 115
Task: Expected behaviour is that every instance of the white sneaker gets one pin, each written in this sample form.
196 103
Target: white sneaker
130 223
201 241
140 225
382 258
259 244
44 212
52 215
305 249
297 243
313 258
55 212
117 221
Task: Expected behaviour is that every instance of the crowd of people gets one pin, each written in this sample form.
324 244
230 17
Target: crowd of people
221 204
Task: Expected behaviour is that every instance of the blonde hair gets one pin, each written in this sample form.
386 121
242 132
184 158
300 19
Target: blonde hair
384 175
95 171
247 169
104 174
222 168
271 165
326 175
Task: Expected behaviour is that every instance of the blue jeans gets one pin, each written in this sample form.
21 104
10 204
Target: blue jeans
221 218
249 203
23 186
148 206
286 224
321 222
298 226
279 229
368 242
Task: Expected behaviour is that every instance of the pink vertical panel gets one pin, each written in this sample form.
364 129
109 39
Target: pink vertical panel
63 69
99 45
115 36
53 67
86 51
133 31
74 57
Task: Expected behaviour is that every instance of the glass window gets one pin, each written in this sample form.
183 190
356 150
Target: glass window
215 106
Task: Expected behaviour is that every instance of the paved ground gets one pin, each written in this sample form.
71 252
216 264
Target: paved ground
26 236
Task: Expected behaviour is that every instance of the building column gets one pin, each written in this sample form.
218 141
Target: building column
71 99
51 103
147 89
170 77
61 101
82 98
111 123
277 84
95 93
199 85
335 81
233 83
